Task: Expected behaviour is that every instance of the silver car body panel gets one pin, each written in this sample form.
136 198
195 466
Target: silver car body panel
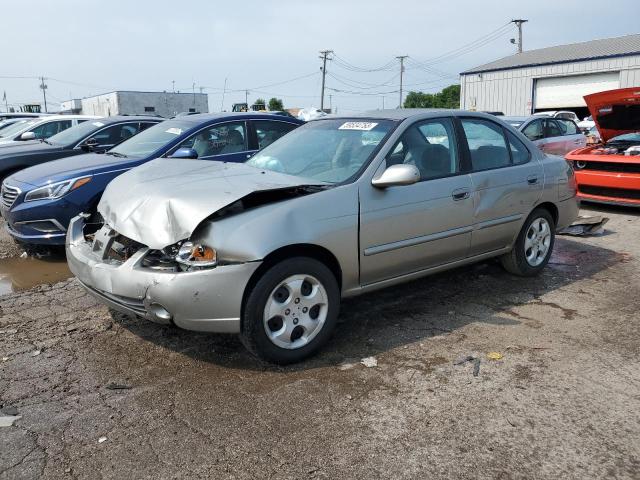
178 194
378 237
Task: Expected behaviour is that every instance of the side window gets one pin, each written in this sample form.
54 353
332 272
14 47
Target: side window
51 128
567 126
430 146
487 144
519 153
534 131
115 134
145 125
221 139
269 131
553 129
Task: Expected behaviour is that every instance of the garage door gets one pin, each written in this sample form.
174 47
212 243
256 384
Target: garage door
567 92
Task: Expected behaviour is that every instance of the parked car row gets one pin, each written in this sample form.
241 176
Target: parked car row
39 202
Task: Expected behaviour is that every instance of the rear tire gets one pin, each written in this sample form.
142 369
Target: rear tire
291 311
533 247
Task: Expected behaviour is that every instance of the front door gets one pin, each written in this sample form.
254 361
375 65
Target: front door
225 142
404 229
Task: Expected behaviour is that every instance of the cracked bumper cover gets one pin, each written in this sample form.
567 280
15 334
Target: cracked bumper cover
208 300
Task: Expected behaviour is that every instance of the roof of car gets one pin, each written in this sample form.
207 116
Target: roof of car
204 117
400 114
515 118
125 118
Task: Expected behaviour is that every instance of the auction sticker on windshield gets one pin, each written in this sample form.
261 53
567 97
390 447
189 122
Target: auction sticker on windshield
366 126
173 130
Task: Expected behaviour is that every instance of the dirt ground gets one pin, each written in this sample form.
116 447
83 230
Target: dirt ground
114 397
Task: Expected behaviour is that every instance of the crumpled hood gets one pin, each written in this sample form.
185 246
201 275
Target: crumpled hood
163 201
615 112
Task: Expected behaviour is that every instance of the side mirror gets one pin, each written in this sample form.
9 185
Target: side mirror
89 145
396 175
28 136
188 153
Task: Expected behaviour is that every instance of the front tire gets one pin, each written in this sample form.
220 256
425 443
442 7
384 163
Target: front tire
291 311
533 247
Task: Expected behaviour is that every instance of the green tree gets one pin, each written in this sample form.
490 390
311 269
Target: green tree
449 97
275 104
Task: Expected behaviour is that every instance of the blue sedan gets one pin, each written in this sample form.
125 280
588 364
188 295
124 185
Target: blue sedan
39 202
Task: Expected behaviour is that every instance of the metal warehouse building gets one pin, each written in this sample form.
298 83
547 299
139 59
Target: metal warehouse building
164 104
552 78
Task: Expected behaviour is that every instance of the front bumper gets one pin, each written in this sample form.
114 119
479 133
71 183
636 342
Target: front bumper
204 300
609 187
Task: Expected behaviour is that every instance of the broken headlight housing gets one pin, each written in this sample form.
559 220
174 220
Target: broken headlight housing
55 190
194 254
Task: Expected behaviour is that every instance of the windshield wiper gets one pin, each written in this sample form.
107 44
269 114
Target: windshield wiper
117 154
46 141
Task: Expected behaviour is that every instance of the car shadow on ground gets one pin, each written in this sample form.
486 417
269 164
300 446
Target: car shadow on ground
384 320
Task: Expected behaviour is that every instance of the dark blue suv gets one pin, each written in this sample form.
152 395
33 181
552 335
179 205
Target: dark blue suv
39 202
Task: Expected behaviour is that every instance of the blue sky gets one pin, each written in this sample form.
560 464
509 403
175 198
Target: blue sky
87 47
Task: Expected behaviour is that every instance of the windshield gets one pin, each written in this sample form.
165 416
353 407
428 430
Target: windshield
153 138
75 134
17 127
627 137
325 150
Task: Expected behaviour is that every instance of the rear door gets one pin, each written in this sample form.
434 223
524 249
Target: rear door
409 228
507 182
573 137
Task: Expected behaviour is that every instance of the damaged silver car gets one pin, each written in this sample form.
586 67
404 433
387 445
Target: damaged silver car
338 207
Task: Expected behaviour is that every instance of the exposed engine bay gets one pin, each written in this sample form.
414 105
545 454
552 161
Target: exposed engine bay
617 150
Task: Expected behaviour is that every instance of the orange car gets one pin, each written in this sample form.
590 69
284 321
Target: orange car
609 171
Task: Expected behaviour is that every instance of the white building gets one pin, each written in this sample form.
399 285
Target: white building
552 78
164 104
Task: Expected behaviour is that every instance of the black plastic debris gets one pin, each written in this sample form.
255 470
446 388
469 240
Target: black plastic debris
586 226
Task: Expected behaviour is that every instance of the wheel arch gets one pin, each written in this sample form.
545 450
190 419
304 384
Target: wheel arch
551 208
310 250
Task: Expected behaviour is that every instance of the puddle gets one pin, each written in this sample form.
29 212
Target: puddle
17 274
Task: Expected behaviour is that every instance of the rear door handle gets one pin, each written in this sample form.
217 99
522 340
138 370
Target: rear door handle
532 180
460 194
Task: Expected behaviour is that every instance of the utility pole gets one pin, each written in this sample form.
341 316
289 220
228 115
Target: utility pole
246 98
173 86
193 87
43 87
330 103
324 57
401 58
519 23
224 91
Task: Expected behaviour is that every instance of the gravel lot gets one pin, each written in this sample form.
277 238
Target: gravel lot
115 397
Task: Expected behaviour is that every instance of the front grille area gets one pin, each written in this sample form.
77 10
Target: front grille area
9 195
621 193
608 167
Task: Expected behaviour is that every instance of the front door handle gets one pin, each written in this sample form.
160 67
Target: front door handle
532 179
460 194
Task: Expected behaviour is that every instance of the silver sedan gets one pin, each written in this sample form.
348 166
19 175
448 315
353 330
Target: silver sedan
336 208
